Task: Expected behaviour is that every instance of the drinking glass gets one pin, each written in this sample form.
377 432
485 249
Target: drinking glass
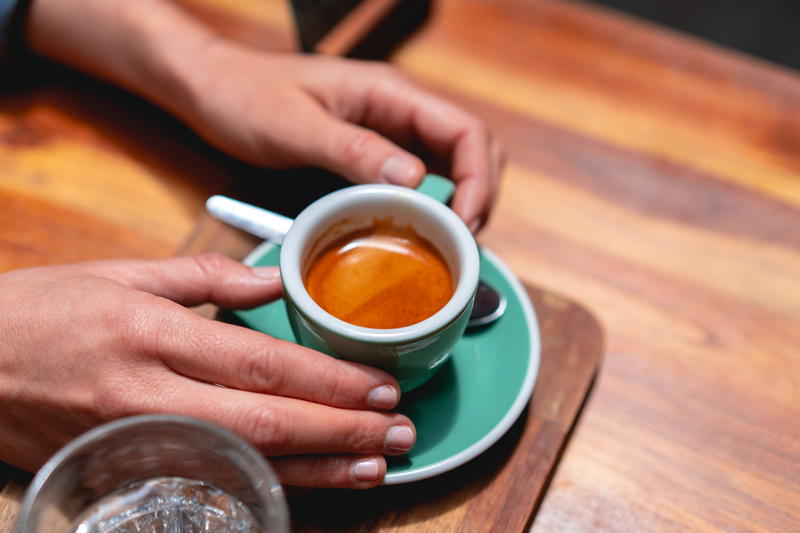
155 473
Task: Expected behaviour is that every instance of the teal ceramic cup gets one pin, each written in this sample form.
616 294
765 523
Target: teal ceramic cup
414 353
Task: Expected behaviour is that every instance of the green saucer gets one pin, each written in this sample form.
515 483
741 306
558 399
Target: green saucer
475 397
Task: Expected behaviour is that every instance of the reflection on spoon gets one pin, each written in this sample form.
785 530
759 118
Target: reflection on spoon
489 306
489 303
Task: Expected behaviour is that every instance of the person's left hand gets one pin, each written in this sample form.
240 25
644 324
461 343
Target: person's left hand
350 117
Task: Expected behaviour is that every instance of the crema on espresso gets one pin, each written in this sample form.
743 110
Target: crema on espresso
382 277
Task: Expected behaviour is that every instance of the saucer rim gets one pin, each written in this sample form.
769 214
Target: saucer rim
519 404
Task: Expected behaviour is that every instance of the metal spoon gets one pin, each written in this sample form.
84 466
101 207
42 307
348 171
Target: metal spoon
489 303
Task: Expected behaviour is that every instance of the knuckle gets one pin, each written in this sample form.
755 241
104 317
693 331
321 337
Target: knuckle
366 432
340 389
365 438
257 368
266 429
133 325
211 264
117 395
108 403
356 146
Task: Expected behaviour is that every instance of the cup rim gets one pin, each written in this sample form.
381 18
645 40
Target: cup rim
75 446
306 223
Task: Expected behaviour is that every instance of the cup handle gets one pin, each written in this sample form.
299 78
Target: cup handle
437 187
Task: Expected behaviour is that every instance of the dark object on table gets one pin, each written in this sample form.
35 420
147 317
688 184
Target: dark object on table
764 28
367 29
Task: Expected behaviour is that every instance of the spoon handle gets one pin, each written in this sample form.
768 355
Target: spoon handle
255 220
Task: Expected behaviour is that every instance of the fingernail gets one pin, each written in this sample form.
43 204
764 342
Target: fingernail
365 469
383 397
266 272
474 225
399 439
399 170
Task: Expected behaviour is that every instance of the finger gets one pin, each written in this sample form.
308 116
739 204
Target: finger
498 159
198 279
244 359
497 162
342 471
450 133
286 426
474 183
471 170
363 156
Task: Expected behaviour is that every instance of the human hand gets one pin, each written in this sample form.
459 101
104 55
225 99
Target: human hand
350 117
356 118
87 343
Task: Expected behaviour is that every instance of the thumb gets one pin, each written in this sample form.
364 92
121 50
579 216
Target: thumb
363 156
197 279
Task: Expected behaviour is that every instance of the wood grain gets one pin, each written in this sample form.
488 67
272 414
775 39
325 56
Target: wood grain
602 75
517 469
9 505
80 178
653 178
688 256
465 499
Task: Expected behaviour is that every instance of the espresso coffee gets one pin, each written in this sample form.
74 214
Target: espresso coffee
382 277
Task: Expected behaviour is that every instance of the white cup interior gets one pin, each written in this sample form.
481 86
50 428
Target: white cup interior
359 207
362 216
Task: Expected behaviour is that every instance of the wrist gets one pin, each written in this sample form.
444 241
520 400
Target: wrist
149 47
167 57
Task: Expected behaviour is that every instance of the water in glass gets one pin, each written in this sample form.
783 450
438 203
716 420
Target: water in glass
167 505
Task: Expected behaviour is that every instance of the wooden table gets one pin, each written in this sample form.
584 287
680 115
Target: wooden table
652 177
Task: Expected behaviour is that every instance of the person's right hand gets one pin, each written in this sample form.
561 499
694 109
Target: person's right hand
87 343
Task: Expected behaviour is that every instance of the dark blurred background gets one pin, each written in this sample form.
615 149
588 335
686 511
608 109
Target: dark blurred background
769 29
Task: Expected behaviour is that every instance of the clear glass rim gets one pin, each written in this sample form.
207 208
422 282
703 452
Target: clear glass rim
265 480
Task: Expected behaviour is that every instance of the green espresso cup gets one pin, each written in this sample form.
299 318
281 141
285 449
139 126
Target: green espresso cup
412 354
